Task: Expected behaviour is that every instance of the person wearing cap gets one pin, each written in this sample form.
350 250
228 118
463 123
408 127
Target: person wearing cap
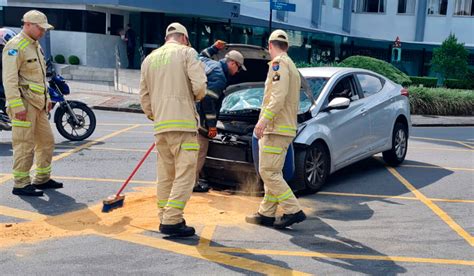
172 80
275 130
24 78
218 74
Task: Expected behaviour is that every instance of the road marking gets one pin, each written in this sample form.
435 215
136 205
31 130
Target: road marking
429 203
322 255
208 254
111 149
464 143
17 213
139 132
440 149
438 167
367 195
79 148
206 235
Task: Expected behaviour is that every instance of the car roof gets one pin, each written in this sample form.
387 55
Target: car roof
327 72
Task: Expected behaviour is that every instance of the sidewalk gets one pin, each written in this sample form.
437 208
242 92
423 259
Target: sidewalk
102 96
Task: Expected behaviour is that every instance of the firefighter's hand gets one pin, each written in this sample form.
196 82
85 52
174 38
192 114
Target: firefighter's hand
21 116
212 132
260 127
50 106
220 44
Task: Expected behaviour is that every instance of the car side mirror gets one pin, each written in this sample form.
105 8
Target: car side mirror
338 103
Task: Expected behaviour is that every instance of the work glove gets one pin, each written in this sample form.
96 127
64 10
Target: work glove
150 118
212 132
220 44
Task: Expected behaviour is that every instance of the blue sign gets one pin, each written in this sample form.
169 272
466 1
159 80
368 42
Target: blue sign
282 6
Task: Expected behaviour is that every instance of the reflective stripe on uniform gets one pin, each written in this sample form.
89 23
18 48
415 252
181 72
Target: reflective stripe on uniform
18 123
175 124
211 116
286 129
46 170
176 204
21 174
23 43
212 94
15 103
190 146
36 88
268 114
286 195
162 203
274 150
270 198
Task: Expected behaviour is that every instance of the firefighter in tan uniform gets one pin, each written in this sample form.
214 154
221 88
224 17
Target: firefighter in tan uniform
24 79
275 130
172 80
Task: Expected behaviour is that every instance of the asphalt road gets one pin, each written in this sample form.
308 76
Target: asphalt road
416 219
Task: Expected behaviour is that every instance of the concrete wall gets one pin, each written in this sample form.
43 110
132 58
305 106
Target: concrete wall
96 50
331 18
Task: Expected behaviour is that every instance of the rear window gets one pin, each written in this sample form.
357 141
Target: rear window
370 84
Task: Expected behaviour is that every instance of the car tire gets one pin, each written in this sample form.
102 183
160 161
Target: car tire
312 167
396 155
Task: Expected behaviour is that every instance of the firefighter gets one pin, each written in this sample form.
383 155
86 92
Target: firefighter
275 130
24 79
5 36
218 73
172 80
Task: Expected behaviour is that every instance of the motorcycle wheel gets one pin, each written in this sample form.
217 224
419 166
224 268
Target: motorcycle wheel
71 130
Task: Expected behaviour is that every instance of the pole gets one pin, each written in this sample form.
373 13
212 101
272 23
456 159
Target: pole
270 20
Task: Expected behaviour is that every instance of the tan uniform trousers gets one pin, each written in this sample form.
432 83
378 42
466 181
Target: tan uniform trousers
32 139
272 153
203 147
177 157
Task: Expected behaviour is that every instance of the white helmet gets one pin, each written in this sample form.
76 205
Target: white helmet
5 35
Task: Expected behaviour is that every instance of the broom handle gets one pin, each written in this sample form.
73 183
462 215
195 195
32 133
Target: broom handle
135 170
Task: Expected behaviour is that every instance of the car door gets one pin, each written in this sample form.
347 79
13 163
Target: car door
378 107
349 127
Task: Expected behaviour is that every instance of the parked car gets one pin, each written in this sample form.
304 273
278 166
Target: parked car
345 115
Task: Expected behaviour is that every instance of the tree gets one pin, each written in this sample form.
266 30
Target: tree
450 60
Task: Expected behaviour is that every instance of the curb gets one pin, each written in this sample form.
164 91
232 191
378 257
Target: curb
134 110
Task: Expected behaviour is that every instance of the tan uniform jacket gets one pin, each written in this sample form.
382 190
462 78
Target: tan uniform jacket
281 98
24 73
172 80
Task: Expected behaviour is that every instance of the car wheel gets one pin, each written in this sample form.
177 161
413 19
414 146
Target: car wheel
396 155
312 166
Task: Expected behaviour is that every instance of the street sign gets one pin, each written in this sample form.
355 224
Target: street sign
282 6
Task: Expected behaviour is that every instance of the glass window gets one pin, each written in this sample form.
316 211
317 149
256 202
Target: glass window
369 84
336 4
344 89
464 7
95 22
116 24
371 6
406 6
437 7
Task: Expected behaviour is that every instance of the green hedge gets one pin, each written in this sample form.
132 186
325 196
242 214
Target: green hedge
59 59
74 60
441 101
379 66
449 83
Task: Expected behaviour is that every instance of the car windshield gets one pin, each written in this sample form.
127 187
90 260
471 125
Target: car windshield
251 98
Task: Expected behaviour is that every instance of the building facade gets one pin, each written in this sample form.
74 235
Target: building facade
321 31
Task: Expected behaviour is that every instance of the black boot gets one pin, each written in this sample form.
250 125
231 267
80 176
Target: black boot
287 220
50 184
28 190
177 230
260 219
201 187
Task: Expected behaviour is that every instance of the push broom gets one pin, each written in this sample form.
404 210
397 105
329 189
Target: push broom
116 201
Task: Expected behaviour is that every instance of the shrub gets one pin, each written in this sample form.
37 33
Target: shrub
425 81
441 101
449 83
450 60
74 60
59 59
379 66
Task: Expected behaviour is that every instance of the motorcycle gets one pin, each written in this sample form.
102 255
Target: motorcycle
74 120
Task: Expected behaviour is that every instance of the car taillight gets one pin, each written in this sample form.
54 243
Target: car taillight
404 92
